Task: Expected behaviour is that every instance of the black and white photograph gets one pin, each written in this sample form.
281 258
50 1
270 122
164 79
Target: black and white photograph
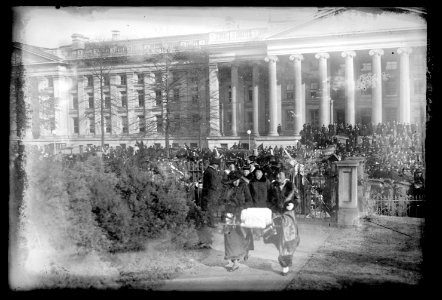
218 149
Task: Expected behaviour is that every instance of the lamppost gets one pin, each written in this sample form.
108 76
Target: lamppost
331 111
249 132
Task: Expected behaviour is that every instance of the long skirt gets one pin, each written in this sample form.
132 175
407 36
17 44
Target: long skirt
286 238
238 241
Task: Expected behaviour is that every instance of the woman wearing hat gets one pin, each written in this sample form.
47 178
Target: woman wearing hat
259 189
230 167
282 203
237 240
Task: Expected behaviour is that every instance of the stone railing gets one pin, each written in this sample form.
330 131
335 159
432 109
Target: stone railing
138 49
235 35
150 47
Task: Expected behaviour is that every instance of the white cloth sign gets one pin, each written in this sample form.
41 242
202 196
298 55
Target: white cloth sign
256 217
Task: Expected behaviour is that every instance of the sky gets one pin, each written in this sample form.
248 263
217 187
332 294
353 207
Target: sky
51 27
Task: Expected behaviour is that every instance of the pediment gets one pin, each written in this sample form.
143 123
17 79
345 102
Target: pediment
30 58
352 21
29 55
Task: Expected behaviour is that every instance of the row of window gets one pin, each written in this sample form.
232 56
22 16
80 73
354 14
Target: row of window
106 80
176 125
140 96
140 79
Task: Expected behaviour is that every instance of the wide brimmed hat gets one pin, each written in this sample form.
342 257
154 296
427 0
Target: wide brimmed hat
215 161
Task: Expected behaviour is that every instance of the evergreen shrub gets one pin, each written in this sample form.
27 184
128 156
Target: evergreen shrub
59 208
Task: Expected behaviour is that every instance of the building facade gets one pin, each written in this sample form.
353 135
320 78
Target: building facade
342 65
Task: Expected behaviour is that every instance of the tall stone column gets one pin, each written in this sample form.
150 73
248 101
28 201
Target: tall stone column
221 119
303 110
376 95
404 100
83 104
324 102
132 103
207 114
273 112
115 102
299 116
149 102
97 106
61 98
255 99
350 110
234 85
240 97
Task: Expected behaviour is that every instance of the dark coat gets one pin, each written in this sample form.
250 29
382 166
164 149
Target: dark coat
259 189
237 198
211 187
277 197
251 176
237 240
303 187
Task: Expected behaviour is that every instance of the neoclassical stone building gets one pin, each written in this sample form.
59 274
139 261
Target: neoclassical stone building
342 65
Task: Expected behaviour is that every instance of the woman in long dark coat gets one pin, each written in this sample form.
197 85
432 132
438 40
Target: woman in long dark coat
259 189
282 199
237 240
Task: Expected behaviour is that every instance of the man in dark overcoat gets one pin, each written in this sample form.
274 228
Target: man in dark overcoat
210 202
211 190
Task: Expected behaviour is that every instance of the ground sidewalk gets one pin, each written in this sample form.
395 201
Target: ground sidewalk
260 273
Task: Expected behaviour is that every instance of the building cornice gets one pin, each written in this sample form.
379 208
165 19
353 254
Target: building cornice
349 33
350 41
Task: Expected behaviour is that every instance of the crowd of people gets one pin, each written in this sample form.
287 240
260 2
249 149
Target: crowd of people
392 150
